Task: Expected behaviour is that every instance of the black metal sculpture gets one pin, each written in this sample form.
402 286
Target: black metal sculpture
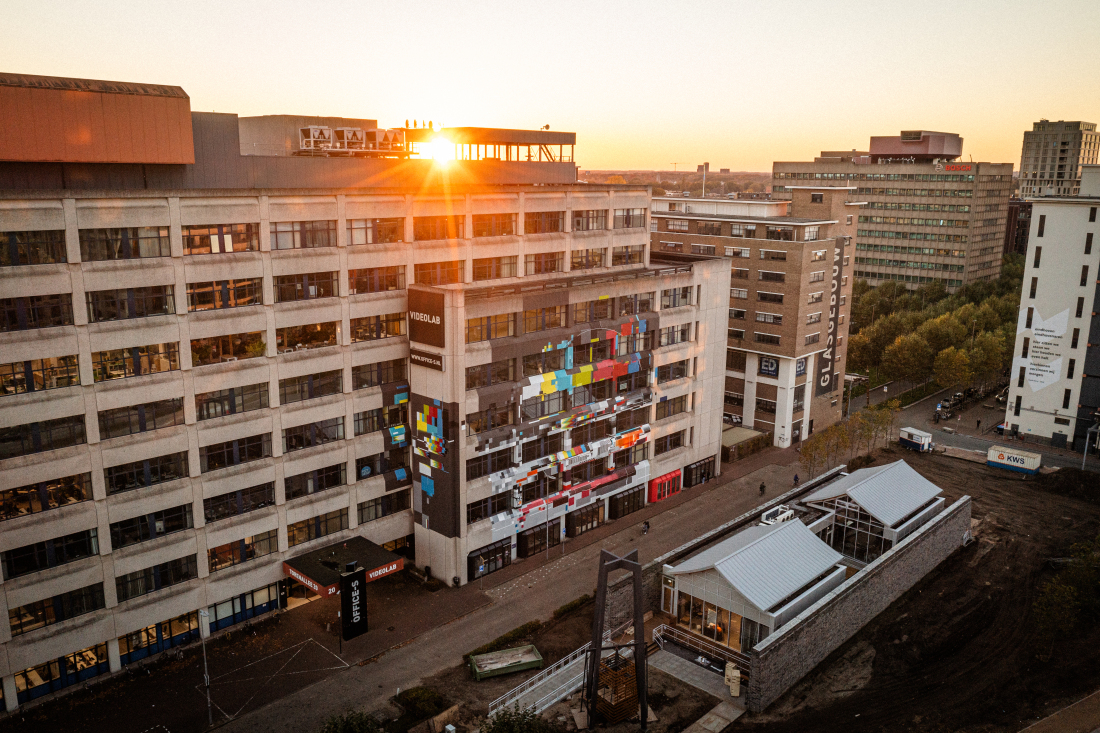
609 693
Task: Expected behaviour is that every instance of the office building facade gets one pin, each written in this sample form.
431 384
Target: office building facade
1053 156
790 282
208 372
1054 393
929 217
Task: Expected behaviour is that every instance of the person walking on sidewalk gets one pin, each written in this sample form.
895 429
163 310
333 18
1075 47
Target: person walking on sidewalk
763 488
795 480
645 527
979 425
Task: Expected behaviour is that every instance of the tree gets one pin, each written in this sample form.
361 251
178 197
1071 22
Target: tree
811 454
354 721
835 441
942 332
859 353
615 180
952 368
908 358
854 426
987 358
518 720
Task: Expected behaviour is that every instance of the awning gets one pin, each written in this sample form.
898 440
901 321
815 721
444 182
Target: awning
320 570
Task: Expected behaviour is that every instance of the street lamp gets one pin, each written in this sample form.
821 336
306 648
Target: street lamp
205 671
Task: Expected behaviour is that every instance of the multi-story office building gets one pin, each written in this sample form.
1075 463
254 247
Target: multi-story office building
929 216
1054 395
1017 226
1053 156
788 299
207 374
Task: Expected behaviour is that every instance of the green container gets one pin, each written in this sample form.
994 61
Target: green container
505 661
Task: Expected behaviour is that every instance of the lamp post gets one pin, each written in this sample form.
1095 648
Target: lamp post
204 614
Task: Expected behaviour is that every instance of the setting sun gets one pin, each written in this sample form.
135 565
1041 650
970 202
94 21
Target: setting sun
440 149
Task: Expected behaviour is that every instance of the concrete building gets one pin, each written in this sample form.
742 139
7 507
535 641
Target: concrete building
222 357
930 217
1017 226
788 299
1053 156
1054 393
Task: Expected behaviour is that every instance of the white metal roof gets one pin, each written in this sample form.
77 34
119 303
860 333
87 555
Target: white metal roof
889 493
765 564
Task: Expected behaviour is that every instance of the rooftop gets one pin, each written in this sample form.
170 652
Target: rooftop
889 493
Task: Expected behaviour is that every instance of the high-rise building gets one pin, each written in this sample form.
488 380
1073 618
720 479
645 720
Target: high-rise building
1053 156
788 299
1054 395
930 217
233 344
1017 226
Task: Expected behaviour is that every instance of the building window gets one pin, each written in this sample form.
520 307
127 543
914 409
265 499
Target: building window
439 273
316 527
45 495
147 472
733 399
766 338
234 452
816 277
375 231
213 350
780 234
310 386
218 238
1042 225
36 311
739 293
709 228
817 198
124 244
677 225
32 248
1074 340
671 372
371 421
676 297
313 482
775 277
586 259
134 419
671 335
490 418
49 554
145 527
373 328
384 506
633 255
736 314
313 434
543 319
813 318
541 447
235 553
537 407
542 222
1084 275
766 406
232 401
376 279
549 361
239 502
667 443
544 263
477 511
39 374
378 373
381 463
493 268
310 336
117 305
498 372
799 400
426 228
303 234
671 407
629 218
54 610
224 294
769 297
815 298
736 360
488 328
308 286
775 318
813 338
735 333
818 256
588 220
36 437
136 361
165 575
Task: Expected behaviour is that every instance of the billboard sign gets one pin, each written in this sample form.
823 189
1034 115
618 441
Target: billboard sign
826 378
427 324
353 603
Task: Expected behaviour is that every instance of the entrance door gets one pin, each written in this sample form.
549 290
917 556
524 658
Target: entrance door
796 432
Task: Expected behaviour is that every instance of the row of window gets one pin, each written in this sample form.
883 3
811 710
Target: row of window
123 243
874 176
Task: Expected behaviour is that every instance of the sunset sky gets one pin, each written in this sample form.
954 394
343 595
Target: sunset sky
643 84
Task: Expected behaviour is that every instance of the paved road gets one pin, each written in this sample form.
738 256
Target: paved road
530 596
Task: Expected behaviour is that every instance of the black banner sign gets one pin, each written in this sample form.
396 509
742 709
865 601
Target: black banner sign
353 603
426 320
826 361
426 359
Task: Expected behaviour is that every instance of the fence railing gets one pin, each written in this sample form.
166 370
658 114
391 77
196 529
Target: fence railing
665 633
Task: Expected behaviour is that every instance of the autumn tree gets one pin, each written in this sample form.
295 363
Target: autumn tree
942 332
860 358
952 368
908 358
811 454
988 357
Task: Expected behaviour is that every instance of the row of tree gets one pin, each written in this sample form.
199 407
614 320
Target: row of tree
859 434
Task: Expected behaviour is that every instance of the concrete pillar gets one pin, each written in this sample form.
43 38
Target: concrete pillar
749 408
114 659
11 697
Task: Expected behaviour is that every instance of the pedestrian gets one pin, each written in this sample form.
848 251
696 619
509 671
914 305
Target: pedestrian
796 479
645 527
763 488
979 425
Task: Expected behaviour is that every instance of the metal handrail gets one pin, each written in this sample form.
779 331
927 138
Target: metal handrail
514 694
683 638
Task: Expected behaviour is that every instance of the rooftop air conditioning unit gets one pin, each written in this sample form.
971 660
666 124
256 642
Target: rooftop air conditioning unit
315 137
349 138
777 515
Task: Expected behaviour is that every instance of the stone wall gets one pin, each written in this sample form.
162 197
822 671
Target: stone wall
787 656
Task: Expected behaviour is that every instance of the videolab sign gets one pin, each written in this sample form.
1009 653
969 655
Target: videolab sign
427 324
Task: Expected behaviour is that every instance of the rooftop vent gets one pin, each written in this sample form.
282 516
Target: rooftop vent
315 137
349 138
910 136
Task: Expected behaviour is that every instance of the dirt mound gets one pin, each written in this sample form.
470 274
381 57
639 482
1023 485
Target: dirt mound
1071 482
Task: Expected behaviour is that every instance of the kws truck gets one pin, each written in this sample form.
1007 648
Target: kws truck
1013 459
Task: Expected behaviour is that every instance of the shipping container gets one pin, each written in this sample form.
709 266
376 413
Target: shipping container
1013 459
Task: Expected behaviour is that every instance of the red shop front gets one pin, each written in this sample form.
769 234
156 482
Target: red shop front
663 487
